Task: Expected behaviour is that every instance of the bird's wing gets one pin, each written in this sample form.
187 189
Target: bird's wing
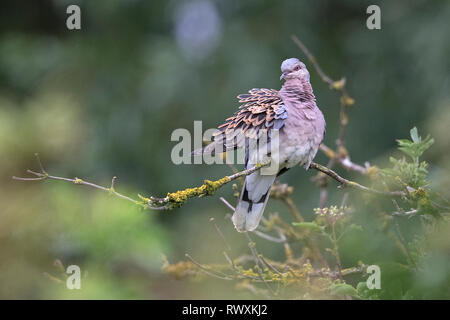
260 109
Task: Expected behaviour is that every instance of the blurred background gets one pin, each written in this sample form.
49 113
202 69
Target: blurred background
103 101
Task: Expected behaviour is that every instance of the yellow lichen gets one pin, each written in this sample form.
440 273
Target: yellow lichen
208 188
249 272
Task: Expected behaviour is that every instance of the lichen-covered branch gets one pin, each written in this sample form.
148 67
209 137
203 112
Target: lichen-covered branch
172 200
178 198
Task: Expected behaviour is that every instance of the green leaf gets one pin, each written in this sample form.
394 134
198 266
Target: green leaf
414 135
309 226
340 289
416 147
361 287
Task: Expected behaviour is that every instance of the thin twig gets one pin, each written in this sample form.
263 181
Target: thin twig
44 176
212 220
271 267
344 162
312 59
408 214
236 270
292 209
347 183
227 203
258 269
207 270
112 182
40 163
268 237
259 264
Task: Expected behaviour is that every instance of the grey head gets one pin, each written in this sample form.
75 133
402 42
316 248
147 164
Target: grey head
293 68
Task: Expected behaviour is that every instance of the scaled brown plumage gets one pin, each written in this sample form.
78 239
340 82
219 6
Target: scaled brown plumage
260 109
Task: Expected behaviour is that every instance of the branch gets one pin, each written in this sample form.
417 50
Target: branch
282 191
347 183
281 239
338 85
44 176
345 161
172 200
313 60
207 270
178 198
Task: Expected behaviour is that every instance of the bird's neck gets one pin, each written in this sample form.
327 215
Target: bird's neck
298 89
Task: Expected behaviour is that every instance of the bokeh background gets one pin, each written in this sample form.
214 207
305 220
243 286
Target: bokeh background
104 100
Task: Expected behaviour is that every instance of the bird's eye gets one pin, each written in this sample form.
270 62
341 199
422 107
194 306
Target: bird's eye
297 68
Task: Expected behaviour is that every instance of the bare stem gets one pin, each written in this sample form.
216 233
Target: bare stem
312 59
344 162
293 209
347 183
208 270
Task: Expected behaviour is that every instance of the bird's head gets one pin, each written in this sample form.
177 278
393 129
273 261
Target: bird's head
293 68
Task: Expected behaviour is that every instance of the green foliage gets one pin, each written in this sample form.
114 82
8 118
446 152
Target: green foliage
415 147
410 173
313 226
343 289
365 293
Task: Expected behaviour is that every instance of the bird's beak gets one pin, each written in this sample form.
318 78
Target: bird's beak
283 76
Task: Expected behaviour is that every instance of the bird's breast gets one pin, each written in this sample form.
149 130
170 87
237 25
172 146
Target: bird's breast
301 136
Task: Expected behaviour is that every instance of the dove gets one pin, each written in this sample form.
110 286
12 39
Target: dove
291 116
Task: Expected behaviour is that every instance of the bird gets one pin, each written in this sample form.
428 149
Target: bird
290 115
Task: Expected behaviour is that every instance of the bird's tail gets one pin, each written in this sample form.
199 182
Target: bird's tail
250 207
